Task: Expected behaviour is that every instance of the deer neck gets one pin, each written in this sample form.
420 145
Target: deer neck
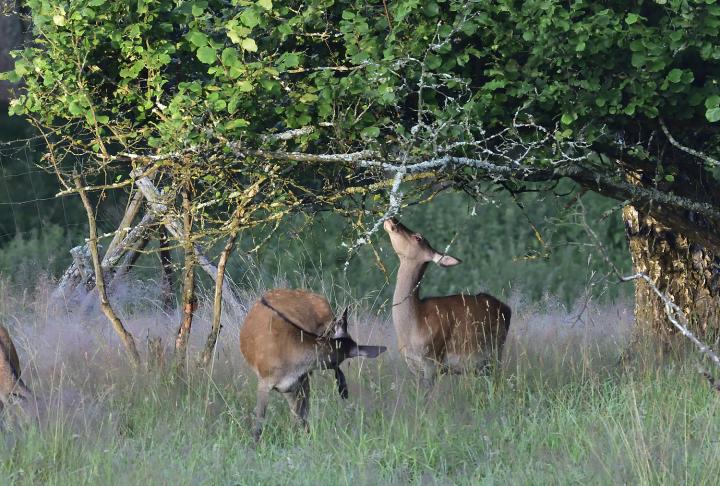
406 299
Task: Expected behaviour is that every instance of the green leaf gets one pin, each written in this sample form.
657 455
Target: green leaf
289 60
567 118
237 123
59 20
444 30
198 9
266 4
230 57
207 54
431 9
308 98
370 132
197 38
713 115
433 61
631 18
638 59
675 75
237 32
244 86
249 44
670 178
712 101
250 18
75 109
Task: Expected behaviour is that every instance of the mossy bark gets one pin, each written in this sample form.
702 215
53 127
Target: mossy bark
687 272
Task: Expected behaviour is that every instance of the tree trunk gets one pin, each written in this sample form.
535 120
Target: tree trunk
131 211
685 271
107 309
188 296
209 350
235 223
167 271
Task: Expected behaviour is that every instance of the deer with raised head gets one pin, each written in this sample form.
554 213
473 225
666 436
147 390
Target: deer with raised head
286 335
455 333
12 388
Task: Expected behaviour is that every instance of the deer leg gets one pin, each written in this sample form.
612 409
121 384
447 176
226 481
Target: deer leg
427 379
341 383
298 398
263 394
485 366
423 368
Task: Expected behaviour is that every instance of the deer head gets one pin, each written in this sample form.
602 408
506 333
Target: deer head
345 345
413 246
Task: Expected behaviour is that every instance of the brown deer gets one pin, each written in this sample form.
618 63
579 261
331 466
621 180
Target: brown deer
12 388
456 333
286 335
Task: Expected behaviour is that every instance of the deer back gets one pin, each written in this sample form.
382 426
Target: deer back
280 331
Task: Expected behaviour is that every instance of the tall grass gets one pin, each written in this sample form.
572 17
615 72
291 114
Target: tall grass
558 410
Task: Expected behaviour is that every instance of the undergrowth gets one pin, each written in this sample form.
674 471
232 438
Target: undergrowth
559 410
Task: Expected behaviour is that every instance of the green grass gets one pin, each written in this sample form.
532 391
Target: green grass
542 419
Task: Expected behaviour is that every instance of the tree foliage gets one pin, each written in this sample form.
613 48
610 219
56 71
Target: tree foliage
321 99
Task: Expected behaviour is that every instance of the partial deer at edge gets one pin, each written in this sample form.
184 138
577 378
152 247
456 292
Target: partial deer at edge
455 333
12 388
286 335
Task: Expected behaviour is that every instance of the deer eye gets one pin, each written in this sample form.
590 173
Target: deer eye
418 236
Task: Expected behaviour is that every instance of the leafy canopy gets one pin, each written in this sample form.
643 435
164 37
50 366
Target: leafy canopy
206 84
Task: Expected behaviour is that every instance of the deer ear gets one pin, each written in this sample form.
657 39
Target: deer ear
446 260
341 325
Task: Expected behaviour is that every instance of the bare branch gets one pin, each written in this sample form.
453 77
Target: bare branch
696 153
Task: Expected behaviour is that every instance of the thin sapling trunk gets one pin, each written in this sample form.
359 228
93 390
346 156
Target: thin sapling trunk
124 334
188 295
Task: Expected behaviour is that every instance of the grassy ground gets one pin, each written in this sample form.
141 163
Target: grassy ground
558 411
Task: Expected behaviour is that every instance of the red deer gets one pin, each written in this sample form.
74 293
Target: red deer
12 388
456 333
286 335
